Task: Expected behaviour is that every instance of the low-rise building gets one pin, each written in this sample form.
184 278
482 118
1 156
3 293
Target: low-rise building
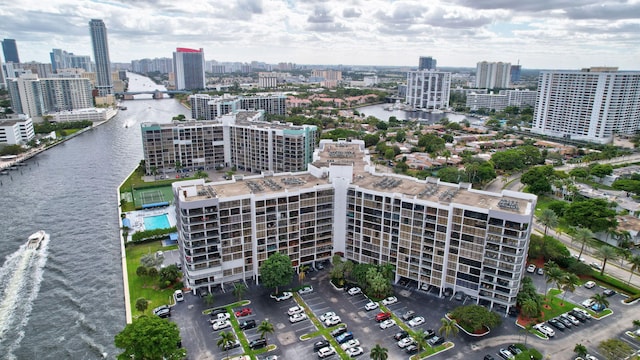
16 129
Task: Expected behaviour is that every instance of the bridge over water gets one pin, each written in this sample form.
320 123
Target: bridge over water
157 94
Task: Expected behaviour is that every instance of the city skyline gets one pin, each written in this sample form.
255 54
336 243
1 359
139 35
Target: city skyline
549 34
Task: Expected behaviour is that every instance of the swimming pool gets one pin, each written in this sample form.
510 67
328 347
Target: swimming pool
156 222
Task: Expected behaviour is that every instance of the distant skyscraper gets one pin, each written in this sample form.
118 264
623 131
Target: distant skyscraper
10 50
493 75
428 89
101 56
427 63
515 73
188 67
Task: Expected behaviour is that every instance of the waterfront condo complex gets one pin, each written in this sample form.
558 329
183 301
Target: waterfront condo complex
239 139
435 233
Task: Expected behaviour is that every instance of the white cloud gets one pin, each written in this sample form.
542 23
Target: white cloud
542 33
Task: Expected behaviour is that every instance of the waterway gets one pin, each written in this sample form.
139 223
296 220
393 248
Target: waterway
380 111
69 301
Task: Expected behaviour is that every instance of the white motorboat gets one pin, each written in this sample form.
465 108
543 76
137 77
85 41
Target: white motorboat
36 239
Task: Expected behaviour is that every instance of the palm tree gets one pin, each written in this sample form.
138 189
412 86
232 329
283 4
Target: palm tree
569 282
583 236
635 265
581 350
208 299
420 339
636 323
239 290
265 328
600 299
529 308
302 272
554 275
379 353
548 218
624 239
527 329
448 328
547 268
606 252
226 340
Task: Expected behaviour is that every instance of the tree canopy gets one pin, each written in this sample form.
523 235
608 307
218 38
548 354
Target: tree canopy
593 214
475 317
276 271
150 338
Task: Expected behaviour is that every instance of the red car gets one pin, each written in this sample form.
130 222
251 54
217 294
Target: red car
383 316
243 312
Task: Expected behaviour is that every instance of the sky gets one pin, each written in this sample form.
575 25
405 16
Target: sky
539 34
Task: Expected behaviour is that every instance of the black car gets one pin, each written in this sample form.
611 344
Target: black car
459 296
163 311
578 315
488 357
248 324
411 349
408 315
513 311
258 343
428 334
339 331
514 349
447 292
400 335
216 312
609 292
319 345
436 340
556 324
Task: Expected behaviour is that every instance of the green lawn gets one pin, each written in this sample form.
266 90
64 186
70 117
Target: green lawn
555 306
145 287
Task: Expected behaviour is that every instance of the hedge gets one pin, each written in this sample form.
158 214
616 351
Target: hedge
152 234
620 285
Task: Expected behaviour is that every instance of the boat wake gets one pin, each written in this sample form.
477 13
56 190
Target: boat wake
20 278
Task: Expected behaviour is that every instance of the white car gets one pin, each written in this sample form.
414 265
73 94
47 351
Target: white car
220 317
354 291
531 268
326 352
355 351
588 303
349 344
327 315
221 324
334 320
306 290
371 306
390 300
416 321
583 311
590 284
295 310
405 342
545 330
178 295
297 317
284 296
387 324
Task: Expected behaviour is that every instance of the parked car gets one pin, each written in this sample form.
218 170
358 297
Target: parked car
319 345
609 292
459 296
571 318
383 316
556 324
306 290
387 324
514 349
583 311
327 315
355 351
258 343
435 341
428 334
488 357
596 266
598 307
545 330
335 320
231 345
284 296
411 349
589 284
349 344
216 312
540 271
354 291
162 311
506 354
341 339
405 342
326 352
297 318
588 302
178 295
295 310
244 312
220 317
390 300
400 335
416 321
447 292
531 268
371 306
564 322
249 324
578 315
339 331
408 315
221 324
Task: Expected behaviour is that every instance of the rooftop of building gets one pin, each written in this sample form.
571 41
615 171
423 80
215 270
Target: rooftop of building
353 154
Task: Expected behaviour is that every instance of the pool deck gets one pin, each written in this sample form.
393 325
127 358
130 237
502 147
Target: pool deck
137 218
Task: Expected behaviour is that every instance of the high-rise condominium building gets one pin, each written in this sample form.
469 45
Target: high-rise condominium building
10 51
491 75
36 97
188 67
516 71
207 107
591 104
101 56
428 89
26 95
427 63
60 59
16 129
433 233
240 139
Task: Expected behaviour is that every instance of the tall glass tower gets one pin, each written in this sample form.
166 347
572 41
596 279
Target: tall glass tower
101 56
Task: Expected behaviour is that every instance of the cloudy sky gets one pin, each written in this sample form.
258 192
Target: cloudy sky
541 34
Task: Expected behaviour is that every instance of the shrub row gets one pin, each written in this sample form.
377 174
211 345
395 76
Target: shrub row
152 234
615 283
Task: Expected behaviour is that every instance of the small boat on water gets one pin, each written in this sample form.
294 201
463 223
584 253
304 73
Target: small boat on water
36 239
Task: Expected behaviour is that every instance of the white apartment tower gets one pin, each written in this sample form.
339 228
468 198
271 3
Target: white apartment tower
491 75
26 95
590 105
428 89
434 233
